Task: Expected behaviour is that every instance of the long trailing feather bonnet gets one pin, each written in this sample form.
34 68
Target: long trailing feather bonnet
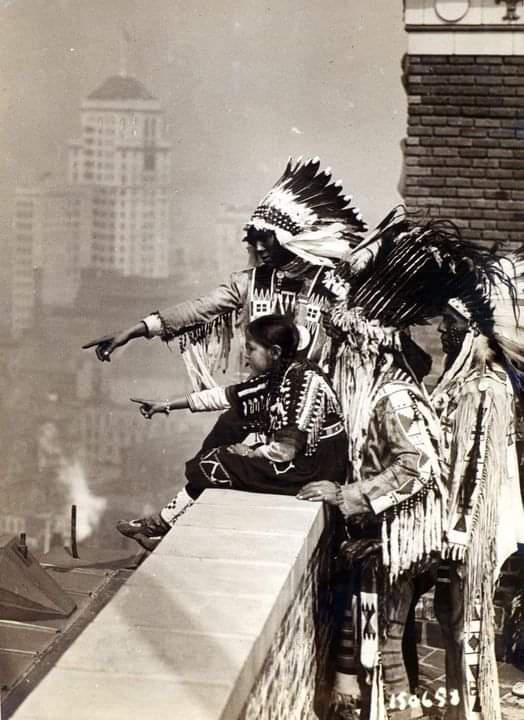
475 399
405 273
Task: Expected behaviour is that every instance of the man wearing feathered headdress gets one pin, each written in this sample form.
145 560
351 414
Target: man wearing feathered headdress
396 501
298 232
477 399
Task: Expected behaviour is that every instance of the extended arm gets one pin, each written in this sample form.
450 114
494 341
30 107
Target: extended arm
223 300
205 400
106 345
171 322
148 408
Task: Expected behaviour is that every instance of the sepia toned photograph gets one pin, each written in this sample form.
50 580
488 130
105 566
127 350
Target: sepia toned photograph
262 360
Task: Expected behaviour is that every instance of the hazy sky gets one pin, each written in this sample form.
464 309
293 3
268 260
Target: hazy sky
245 84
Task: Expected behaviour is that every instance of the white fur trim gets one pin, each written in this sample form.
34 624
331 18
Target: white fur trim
458 306
153 325
304 337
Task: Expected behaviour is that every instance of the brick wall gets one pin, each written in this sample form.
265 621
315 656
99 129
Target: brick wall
464 151
300 650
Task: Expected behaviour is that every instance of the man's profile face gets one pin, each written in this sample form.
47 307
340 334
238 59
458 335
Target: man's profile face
452 328
267 248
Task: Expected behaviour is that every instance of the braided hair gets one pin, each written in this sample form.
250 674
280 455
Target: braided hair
270 330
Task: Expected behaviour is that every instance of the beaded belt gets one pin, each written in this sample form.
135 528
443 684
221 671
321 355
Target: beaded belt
332 430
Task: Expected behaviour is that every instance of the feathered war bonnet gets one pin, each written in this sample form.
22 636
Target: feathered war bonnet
411 269
404 274
309 214
414 267
489 301
400 276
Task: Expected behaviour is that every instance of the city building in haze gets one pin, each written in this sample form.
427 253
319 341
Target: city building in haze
51 238
111 215
123 155
231 222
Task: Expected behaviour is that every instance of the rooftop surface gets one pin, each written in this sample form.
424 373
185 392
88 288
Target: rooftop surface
33 636
187 634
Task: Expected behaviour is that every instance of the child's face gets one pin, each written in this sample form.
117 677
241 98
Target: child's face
259 358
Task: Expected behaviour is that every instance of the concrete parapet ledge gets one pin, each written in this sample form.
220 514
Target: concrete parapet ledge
188 634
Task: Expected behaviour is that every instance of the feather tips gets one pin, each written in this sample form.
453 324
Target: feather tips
416 265
311 198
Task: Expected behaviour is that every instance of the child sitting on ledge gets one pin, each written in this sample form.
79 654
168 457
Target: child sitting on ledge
288 401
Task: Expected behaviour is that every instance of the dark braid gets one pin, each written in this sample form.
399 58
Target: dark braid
276 376
270 330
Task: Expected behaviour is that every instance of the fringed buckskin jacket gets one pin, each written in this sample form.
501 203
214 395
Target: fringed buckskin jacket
477 408
477 411
400 486
298 289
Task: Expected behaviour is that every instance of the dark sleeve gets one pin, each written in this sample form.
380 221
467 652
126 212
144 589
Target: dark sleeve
305 399
248 398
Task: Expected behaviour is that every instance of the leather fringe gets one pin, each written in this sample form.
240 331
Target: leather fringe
205 348
412 531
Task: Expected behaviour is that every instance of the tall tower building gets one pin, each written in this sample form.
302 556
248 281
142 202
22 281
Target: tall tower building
112 214
123 155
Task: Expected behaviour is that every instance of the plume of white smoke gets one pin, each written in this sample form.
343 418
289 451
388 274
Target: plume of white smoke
90 507
71 475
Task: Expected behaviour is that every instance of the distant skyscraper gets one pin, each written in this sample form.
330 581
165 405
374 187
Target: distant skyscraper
6 276
124 156
113 212
51 237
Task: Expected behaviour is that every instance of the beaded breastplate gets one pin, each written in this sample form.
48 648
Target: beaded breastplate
302 297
